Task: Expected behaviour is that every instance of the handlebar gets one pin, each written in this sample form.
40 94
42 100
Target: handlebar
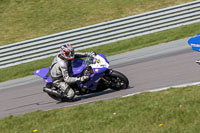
90 60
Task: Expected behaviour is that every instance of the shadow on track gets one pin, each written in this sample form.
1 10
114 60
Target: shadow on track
108 91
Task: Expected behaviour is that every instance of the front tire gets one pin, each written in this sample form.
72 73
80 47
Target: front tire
118 80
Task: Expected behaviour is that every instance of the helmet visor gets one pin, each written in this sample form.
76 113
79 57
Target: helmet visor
70 53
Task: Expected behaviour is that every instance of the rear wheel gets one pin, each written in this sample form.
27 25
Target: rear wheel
118 80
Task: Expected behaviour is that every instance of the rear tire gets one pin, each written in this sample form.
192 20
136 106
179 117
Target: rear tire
118 80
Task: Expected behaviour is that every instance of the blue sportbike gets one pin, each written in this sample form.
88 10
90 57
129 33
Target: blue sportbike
97 68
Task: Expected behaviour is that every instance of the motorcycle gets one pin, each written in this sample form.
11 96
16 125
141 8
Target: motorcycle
97 68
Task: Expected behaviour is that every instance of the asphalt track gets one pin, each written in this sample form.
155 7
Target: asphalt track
150 68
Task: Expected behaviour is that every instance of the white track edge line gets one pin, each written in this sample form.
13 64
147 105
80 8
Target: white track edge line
132 94
164 88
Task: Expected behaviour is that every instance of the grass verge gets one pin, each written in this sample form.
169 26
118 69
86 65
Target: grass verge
173 111
25 19
109 49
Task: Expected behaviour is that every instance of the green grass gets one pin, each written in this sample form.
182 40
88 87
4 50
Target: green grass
177 109
109 49
25 19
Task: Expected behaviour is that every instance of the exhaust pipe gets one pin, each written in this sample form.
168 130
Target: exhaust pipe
50 91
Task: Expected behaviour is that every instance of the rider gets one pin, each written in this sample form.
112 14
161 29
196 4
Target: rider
61 69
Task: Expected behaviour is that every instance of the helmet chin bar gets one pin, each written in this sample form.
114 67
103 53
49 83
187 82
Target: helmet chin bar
69 58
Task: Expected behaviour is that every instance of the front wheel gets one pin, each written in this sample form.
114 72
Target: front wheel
118 80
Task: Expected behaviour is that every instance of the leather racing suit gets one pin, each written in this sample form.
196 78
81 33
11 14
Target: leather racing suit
61 71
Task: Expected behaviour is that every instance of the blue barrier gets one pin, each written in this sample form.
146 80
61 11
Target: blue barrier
194 42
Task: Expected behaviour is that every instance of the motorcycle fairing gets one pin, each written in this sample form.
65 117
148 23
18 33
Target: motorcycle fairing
194 42
100 62
99 70
43 73
93 82
103 56
99 66
78 67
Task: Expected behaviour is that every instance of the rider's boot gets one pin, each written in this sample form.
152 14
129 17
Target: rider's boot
69 93
66 90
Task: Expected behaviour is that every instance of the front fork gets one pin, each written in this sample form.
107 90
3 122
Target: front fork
107 82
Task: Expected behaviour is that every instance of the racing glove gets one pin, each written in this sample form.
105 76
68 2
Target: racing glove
91 54
84 78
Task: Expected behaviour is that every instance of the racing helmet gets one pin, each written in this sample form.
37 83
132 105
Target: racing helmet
67 52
